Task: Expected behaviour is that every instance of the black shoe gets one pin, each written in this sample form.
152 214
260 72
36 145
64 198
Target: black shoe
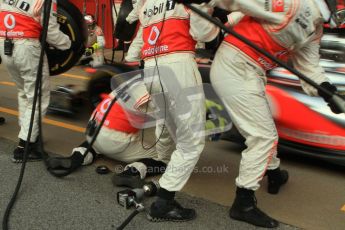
276 178
33 154
244 209
128 178
169 210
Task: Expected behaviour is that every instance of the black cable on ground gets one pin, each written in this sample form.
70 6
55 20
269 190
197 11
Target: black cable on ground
46 14
128 220
337 99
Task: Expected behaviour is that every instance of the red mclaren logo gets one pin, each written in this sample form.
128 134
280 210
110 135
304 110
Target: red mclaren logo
278 5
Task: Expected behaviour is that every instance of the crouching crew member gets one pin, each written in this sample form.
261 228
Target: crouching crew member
120 139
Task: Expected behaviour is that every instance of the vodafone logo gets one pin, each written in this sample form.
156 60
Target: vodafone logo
154 35
105 105
10 21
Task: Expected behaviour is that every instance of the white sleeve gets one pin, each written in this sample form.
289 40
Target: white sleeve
262 9
201 29
234 18
134 14
55 37
134 51
132 17
306 60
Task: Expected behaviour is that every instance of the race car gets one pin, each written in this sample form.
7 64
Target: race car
305 124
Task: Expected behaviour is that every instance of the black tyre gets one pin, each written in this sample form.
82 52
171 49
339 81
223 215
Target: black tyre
71 23
100 81
98 85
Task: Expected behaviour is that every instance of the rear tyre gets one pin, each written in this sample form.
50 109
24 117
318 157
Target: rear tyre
72 24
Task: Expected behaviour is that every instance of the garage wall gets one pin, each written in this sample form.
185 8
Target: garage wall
91 9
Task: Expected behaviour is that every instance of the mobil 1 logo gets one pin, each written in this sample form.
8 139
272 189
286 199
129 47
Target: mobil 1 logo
19 4
158 9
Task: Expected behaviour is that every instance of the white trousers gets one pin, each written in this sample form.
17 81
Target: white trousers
240 83
122 146
22 67
185 153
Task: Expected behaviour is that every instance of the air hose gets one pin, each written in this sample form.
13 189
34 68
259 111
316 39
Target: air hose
129 219
46 15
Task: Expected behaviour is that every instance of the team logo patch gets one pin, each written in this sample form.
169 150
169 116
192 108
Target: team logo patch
277 5
10 22
19 4
154 35
170 5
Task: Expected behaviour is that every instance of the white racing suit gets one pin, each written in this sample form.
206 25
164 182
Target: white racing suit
287 29
170 32
23 22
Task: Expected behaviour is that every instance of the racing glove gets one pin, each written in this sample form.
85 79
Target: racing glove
328 98
89 51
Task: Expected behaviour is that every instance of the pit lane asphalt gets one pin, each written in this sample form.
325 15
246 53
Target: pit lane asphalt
86 200
313 198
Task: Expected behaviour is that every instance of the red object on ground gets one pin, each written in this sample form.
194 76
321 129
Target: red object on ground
91 9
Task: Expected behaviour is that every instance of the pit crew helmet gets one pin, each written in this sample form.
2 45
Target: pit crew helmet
90 21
